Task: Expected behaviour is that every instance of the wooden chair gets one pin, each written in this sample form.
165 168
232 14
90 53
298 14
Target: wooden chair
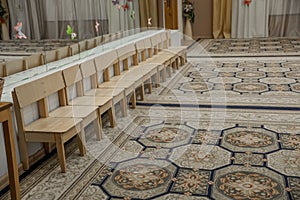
33 60
141 73
74 93
45 129
90 44
89 75
82 46
63 52
13 67
99 40
74 49
102 64
50 56
179 51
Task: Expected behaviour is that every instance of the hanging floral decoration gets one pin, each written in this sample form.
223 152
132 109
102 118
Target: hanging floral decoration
247 2
188 10
125 6
97 27
71 33
132 14
18 30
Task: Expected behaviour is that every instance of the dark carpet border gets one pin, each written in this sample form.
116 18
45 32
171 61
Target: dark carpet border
221 106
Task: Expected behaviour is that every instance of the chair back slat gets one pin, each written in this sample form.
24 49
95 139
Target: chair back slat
38 89
72 75
126 51
105 60
13 66
88 68
33 60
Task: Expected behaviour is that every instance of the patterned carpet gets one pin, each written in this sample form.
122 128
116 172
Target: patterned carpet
183 154
221 128
251 47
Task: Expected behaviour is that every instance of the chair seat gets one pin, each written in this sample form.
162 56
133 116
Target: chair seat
52 125
91 101
106 92
73 111
117 84
176 50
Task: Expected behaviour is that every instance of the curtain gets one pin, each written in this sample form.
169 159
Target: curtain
222 18
148 9
49 19
250 21
120 19
284 18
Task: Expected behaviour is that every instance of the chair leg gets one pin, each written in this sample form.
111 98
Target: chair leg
47 147
112 117
97 124
150 86
60 152
81 141
124 107
133 99
142 90
23 151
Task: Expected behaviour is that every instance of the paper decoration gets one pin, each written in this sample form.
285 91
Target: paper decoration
149 21
18 30
97 26
71 33
125 6
247 2
115 2
132 14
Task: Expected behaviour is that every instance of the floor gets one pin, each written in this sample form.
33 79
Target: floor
225 126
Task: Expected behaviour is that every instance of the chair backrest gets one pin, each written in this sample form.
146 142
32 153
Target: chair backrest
99 40
169 37
104 61
148 45
73 78
39 89
74 49
127 52
33 60
50 56
141 50
62 52
82 46
89 73
140 46
164 40
106 38
14 66
90 43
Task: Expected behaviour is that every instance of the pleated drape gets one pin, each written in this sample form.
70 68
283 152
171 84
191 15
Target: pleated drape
284 20
222 18
250 21
4 28
148 9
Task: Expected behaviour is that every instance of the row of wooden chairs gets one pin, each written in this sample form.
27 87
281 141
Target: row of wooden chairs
85 91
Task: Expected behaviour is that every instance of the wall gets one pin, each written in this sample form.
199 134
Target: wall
202 27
